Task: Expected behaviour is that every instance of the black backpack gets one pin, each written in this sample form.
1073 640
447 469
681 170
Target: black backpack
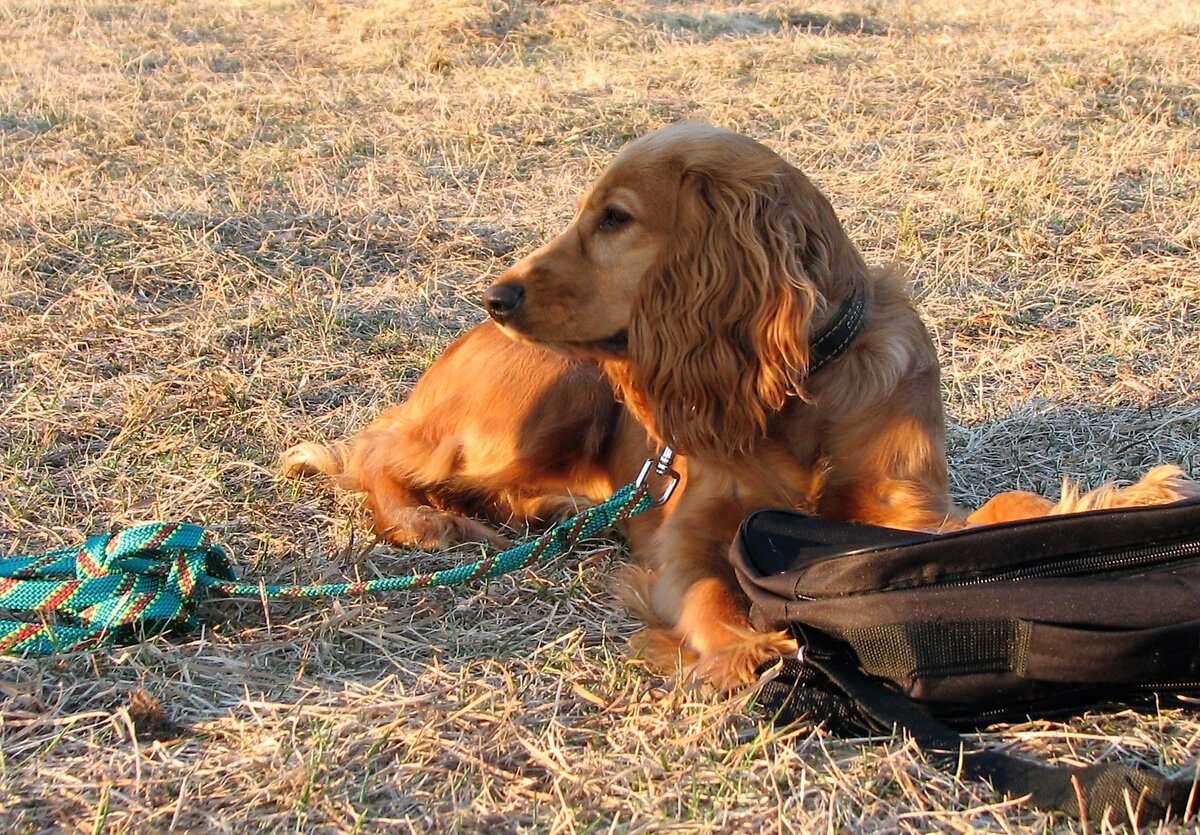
931 632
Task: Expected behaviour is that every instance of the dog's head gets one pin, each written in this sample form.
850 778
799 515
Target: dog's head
699 257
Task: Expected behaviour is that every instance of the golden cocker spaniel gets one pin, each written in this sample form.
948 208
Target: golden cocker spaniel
705 296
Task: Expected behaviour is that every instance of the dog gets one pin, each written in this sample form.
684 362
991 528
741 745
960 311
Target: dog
704 297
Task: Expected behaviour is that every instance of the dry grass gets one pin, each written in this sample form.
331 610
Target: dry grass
229 226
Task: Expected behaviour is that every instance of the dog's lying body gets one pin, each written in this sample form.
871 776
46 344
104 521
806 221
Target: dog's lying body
697 273
495 430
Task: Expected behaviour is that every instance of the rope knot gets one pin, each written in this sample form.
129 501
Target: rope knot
159 569
174 550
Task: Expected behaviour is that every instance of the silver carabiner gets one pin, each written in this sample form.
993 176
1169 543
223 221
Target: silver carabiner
661 467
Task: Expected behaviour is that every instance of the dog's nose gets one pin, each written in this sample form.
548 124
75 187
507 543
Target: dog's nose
503 300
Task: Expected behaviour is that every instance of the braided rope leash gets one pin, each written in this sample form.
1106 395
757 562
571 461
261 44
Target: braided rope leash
154 575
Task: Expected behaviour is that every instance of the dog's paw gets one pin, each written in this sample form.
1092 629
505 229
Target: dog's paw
313 459
436 530
733 666
737 663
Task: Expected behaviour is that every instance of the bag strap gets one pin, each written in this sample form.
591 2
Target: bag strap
864 703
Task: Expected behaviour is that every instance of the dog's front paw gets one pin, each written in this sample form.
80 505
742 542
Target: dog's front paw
737 663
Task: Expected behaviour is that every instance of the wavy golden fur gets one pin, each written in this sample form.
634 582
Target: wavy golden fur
716 357
694 274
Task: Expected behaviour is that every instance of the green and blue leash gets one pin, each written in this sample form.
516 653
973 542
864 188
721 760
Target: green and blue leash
154 575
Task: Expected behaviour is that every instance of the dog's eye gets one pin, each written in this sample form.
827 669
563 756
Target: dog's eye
613 219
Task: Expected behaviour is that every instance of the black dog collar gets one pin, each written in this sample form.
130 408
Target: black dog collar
836 336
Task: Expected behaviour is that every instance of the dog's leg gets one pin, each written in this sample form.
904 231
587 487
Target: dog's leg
699 615
1010 507
402 516
400 510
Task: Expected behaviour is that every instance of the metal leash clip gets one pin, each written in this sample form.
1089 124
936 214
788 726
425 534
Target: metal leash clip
661 467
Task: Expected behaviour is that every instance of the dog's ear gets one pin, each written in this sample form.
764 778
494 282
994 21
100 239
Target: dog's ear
720 332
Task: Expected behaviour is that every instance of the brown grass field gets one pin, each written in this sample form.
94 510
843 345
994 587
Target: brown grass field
226 227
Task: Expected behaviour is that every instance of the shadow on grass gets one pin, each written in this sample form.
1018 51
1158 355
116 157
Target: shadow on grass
713 25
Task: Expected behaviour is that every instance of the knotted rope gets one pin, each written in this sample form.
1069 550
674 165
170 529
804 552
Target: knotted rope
154 575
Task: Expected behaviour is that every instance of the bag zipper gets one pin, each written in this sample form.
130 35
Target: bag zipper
1105 562
1116 561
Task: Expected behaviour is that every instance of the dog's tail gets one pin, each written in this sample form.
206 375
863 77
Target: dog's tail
315 459
1161 485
